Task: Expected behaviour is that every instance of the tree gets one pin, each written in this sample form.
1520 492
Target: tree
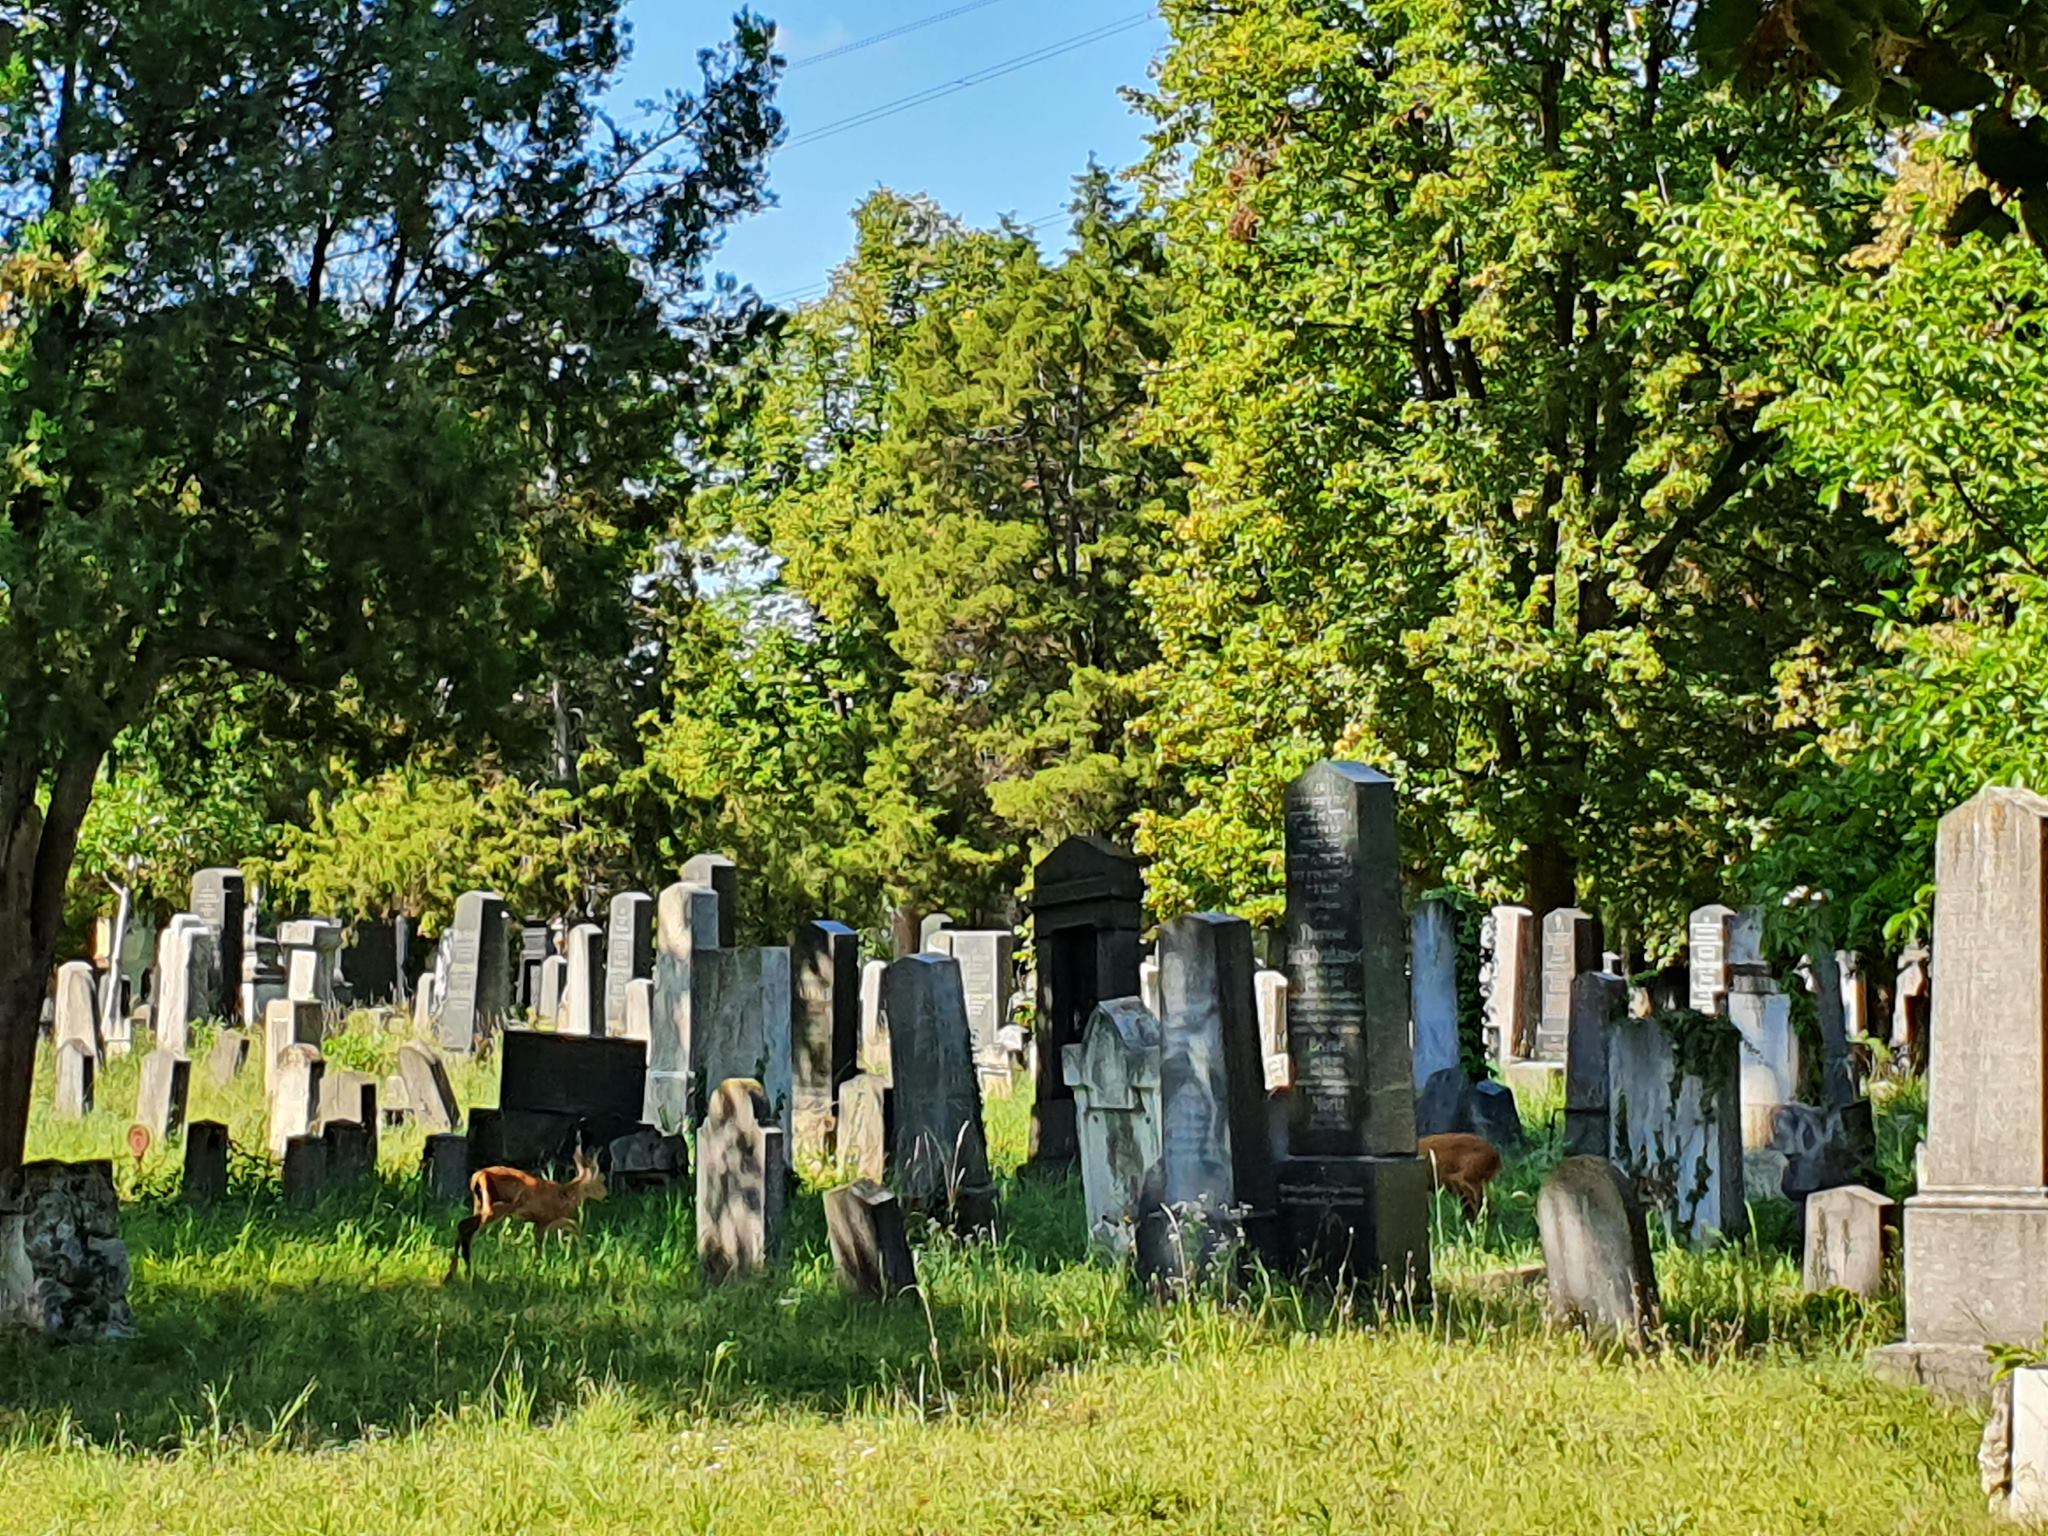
1482 499
329 336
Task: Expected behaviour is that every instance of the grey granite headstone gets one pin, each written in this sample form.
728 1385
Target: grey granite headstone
427 1088
716 873
1675 1107
583 1011
1846 1240
1707 933
741 1184
1353 1196
478 962
1596 1251
219 898
864 1223
1114 1072
686 924
1599 1003
229 1055
165 1089
629 953
1514 996
941 1148
1571 947
76 1069
825 1027
861 1141
1433 1001
206 1162
295 1095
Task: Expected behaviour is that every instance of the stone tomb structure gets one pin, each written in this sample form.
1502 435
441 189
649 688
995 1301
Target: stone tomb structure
1087 910
1976 1238
1353 1197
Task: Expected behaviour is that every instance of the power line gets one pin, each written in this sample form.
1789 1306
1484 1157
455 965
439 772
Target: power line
967 81
883 37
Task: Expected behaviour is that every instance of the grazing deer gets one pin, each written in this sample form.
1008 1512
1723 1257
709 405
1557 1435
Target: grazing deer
511 1194
1463 1164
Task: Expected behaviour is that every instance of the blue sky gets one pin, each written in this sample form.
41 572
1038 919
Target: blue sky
1012 145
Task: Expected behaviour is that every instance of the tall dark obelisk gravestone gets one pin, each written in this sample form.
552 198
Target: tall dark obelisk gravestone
1354 1198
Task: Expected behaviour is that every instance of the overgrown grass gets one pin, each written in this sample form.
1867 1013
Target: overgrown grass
307 1372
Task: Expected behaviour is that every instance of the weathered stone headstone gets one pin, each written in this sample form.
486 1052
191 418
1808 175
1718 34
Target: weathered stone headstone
825 1028
229 1055
76 1069
1855 994
1912 997
295 1095
312 959
188 980
639 1021
1707 933
427 1088
740 1025
206 1162
551 990
444 1167
1216 1180
352 1097
1770 1053
536 946
1845 1239
1491 1113
646 1159
67 1275
1571 947
1514 992
941 1149
1353 1196
1148 984
583 1009
1976 1240
1824 1148
1599 1003
288 1023
686 923
1433 1008
219 898
986 966
1114 1072
719 875
864 1224
1270 989
165 1089
305 1170
629 953
1746 944
1596 1250
928 931
874 1029
350 1147
477 962
1087 909
77 1012
262 981
1674 1098
741 1184
2026 1500
862 1138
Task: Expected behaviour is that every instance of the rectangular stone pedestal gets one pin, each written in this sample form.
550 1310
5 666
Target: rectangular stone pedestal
1358 1221
1977 1267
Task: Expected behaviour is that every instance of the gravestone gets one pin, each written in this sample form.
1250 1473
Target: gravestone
862 1138
312 955
1433 1008
1270 989
1976 1240
1571 947
262 981
1087 909
686 923
444 1168
219 900
629 953
550 990
536 948
718 874
1707 934
1596 1251
1114 1072
1148 984
350 1148
1353 1197
1762 1014
1599 1003
1514 994
394 1103
1489 1111
1856 1018
295 1095
76 1017
369 964
288 1023
187 981
1846 1239
639 1024
986 967
1912 999
66 1269
874 1029
346 1095
928 932
1216 1185
645 1160
206 1162
825 1026
165 1089
76 1069
476 962
740 1025
427 1088
864 1224
583 1003
741 1184
558 1092
1746 944
305 1170
1674 1099
941 1149
229 1055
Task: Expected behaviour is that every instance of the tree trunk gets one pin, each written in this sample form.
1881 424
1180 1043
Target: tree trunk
1550 876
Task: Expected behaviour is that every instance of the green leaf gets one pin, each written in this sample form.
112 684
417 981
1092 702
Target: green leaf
1722 30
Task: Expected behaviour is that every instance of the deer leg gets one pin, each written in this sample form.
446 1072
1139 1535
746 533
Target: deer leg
465 1232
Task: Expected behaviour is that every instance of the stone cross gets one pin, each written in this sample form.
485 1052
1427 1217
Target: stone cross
629 953
941 1148
741 1184
1114 1072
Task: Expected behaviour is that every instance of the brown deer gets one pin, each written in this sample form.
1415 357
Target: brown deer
512 1194
1463 1164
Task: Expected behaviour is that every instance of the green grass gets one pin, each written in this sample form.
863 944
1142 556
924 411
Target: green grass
306 1372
